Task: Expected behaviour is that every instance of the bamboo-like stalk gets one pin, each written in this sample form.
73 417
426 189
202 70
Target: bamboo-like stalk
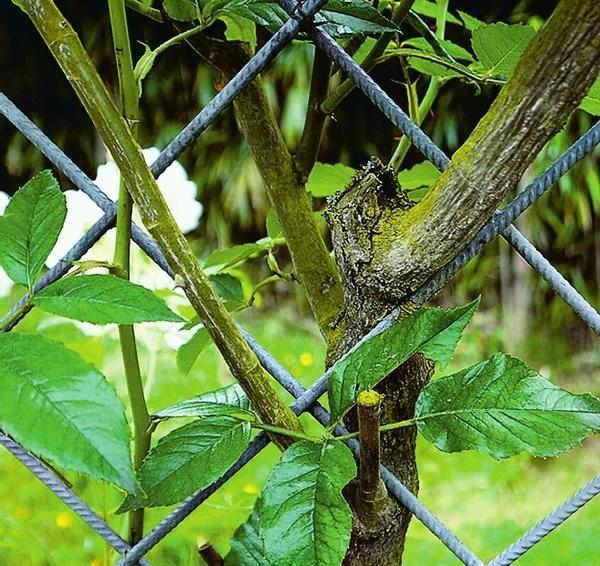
79 70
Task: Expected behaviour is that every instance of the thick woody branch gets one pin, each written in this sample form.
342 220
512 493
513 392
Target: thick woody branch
550 80
79 70
314 267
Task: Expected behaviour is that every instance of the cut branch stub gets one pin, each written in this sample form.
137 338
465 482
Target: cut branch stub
371 496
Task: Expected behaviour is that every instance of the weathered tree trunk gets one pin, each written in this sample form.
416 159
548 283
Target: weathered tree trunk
385 247
353 216
553 75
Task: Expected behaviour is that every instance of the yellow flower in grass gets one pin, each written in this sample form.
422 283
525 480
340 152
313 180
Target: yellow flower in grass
306 359
64 520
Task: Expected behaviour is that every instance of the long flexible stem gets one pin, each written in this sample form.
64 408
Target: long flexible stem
67 49
129 94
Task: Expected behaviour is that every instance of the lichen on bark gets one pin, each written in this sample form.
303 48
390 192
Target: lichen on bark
354 216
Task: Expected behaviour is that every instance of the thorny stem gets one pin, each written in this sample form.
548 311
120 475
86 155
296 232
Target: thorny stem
129 94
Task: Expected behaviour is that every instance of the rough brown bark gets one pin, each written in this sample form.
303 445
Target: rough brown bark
552 77
353 216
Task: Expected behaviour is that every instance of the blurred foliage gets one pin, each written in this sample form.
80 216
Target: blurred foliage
563 224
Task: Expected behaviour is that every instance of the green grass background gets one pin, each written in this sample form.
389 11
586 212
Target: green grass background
487 503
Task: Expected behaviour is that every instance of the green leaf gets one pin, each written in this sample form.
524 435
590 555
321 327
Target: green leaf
325 179
301 516
421 175
454 50
102 299
433 332
222 259
591 103
340 18
239 29
502 407
30 227
188 459
189 352
429 63
431 9
229 288
144 65
63 409
230 400
435 66
499 46
346 18
471 23
181 10
274 229
247 548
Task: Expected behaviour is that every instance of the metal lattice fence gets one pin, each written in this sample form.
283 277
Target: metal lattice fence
307 399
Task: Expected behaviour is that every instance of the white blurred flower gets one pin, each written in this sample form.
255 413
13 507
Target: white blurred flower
82 213
179 193
4 198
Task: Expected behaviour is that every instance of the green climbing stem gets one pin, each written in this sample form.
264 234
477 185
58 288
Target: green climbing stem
129 94
68 51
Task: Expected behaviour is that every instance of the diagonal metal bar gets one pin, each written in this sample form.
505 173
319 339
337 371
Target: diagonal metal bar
300 14
62 162
396 488
548 523
565 161
399 118
53 482
501 220
561 286
300 405
81 247
374 92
